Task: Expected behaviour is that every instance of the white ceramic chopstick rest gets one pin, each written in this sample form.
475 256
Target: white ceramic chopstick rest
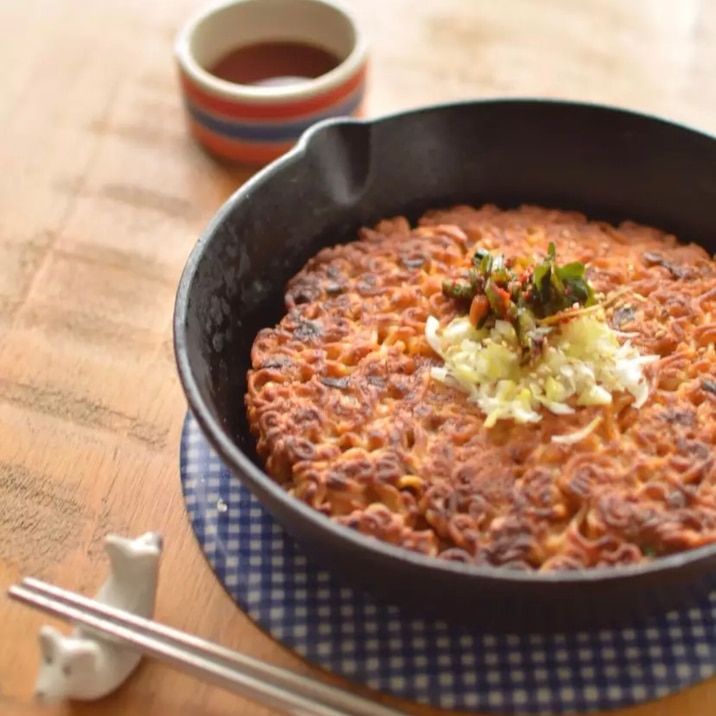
83 666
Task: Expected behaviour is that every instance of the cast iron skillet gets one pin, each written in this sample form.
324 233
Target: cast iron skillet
610 164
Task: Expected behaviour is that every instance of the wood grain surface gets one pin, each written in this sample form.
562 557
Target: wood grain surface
102 195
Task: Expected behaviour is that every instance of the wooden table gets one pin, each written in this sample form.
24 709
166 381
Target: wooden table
102 195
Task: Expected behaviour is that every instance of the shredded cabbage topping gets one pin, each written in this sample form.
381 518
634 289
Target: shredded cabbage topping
582 362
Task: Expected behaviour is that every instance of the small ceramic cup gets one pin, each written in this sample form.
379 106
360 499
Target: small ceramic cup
255 123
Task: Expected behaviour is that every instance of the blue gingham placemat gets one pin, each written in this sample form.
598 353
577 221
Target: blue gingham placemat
349 633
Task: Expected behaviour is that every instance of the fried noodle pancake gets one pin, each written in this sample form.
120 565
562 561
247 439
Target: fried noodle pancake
349 420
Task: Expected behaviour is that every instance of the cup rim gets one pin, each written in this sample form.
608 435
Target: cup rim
266 94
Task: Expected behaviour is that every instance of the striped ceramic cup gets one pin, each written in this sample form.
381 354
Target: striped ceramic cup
257 121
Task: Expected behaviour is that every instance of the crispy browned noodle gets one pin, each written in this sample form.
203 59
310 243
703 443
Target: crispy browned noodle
348 419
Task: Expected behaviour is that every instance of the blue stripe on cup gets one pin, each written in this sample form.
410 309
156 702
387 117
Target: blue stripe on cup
275 132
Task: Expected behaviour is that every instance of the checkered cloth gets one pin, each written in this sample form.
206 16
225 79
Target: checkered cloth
351 634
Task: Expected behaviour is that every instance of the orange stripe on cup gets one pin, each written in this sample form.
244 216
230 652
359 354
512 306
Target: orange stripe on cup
251 153
237 109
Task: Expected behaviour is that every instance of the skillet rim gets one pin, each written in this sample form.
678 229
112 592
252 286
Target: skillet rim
240 464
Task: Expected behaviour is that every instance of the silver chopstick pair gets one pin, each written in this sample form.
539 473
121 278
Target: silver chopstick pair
278 688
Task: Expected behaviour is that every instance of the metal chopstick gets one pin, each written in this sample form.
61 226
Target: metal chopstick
279 688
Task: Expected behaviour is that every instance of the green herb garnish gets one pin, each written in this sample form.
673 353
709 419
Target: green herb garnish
460 290
494 290
559 287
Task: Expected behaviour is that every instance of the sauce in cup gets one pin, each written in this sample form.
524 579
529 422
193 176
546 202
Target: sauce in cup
274 63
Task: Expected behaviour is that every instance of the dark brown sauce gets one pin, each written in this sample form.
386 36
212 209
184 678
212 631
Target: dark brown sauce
269 63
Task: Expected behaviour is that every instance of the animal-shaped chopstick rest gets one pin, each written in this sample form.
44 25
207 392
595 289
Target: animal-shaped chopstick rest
82 666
